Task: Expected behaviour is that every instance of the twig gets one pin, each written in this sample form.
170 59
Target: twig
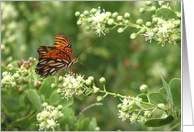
83 112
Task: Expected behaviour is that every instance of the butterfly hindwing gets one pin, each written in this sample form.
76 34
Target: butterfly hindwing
51 60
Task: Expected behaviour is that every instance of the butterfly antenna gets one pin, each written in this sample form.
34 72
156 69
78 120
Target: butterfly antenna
83 50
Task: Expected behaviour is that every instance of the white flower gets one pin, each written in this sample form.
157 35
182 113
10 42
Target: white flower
149 35
99 29
123 115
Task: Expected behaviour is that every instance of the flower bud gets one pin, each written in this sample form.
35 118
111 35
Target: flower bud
59 107
9 67
148 3
77 13
141 10
139 21
93 11
107 30
143 88
119 18
148 114
108 14
114 15
45 104
26 65
119 106
37 84
61 115
162 106
120 30
110 21
96 90
79 23
88 28
91 78
126 15
99 98
31 60
160 2
155 20
19 90
25 72
133 36
148 24
53 85
124 108
88 82
143 30
86 12
102 80
20 63
153 8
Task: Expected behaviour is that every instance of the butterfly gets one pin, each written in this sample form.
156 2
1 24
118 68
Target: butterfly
55 58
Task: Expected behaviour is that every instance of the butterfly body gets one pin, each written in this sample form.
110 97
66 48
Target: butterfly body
55 58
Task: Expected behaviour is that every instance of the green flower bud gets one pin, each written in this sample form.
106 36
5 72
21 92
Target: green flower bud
132 103
45 104
148 3
59 90
141 10
120 30
99 98
59 107
124 108
160 2
79 23
16 75
25 72
88 28
126 15
88 82
60 79
91 78
110 21
107 30
79 92
13 84
9 67
155 30
143 88
19 90
153 8
53 85
77 13
96 90
148 24
114 15
119 106
61 115
143 30
90 20
86 12
119 18
108 14
162 106
133 36
126 21
155 20
148 114
93 11
139 21
102 80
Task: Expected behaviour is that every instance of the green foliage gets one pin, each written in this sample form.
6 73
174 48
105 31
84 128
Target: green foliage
123 62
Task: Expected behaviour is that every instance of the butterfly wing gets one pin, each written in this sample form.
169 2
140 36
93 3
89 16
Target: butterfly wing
62 42
51 60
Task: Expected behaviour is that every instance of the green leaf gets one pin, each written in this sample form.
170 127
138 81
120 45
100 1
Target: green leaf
5 93
177 6
162 91
157 122
14 93
83 125
3 68
175 88
166 88
157 98
179 44
34 98
25 120
11 104
143 96
92 125
46 89
166 13
56 99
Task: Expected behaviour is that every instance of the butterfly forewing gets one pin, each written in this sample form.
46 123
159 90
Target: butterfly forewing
62 42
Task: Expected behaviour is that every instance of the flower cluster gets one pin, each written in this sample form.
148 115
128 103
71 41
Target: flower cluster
48 118
164 31
13 79
72 83
98 20
127 109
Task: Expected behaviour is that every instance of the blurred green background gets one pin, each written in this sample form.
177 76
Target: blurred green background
126 64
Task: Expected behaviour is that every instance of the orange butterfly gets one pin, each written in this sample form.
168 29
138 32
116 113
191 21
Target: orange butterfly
55 58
